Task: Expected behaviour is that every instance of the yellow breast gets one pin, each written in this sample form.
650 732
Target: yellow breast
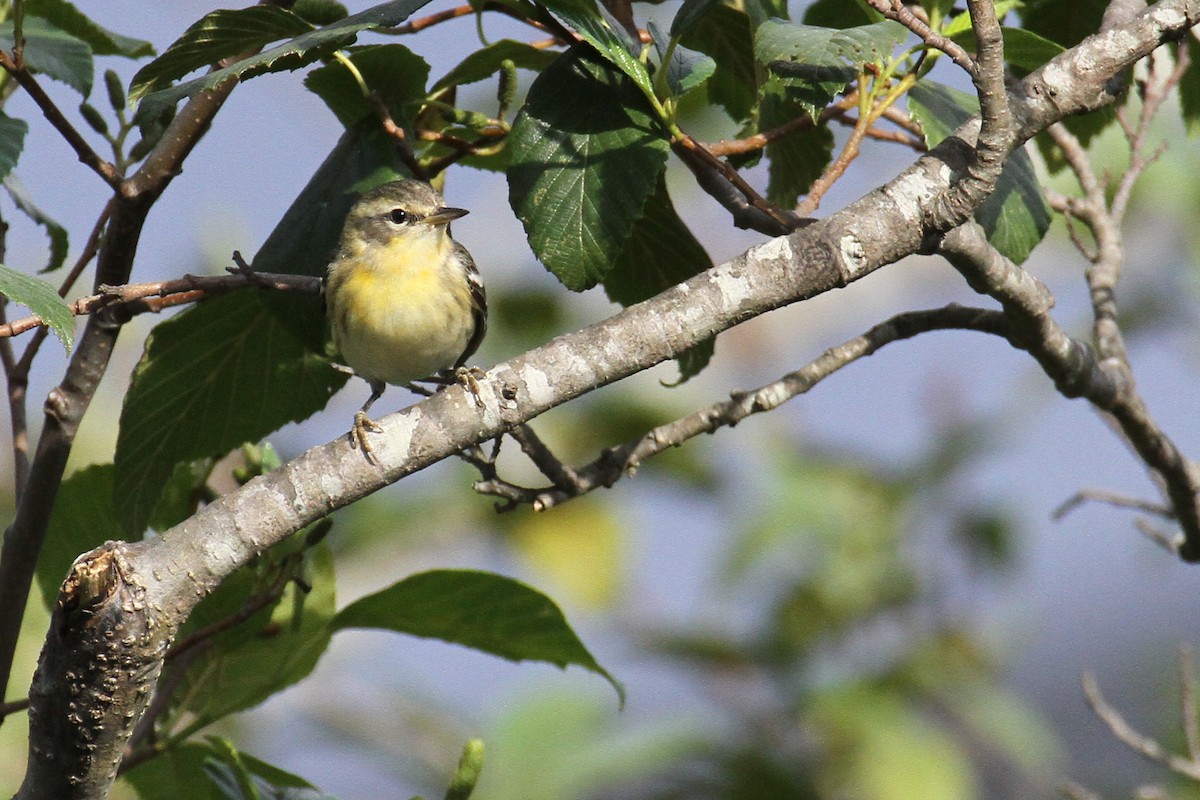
400 310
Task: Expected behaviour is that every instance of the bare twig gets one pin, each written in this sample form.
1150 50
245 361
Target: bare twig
1109 498
1131 738
896 10
624 459
55 117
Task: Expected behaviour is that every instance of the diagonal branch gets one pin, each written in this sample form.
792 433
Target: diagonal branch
624 459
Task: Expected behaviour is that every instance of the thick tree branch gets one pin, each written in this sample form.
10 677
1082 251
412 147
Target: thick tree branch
624 459
159 582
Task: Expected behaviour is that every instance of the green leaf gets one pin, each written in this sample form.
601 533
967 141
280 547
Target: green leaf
481 610
221 34
303 241
1065 23
41 299
691 12
485 62
841 14
581 172
724 35
392 71
272 649
938 10
799 158
660 253
610 40
12 142
1189 89
292 54
102 41
1023 49
962 22
53 52
817 63
181 773
686 69
1016 216
222 373
83 519
57 233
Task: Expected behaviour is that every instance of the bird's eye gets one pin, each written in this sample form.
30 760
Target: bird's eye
399 216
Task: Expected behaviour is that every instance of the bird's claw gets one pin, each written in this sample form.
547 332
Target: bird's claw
468 378
358 435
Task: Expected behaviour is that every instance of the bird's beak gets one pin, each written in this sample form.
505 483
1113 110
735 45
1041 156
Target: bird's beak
445 215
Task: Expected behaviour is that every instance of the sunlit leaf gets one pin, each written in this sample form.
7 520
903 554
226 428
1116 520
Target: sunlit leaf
42 299
53 52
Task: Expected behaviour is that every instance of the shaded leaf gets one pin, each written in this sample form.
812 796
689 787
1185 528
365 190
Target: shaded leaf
392 71
1189 89
221 373
841 14
1065 23
481 610
57 233
53 52
103 42
581 172
798 159
181 772
221 34
686 69
724 35
83 519
272 649
1016 216
691 12
485 62
660 253
292 54
42 299
12 142
1023 49
610 39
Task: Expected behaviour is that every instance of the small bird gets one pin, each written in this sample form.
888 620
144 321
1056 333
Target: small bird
404 299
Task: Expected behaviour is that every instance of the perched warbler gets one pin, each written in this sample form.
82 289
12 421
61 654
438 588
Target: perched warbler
404 299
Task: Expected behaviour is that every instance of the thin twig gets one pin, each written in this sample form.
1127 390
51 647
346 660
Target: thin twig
618 461
896 10
55 117
1111 499
1140 743
802 122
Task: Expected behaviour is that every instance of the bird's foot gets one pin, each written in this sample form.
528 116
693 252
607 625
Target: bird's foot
358 435
468 378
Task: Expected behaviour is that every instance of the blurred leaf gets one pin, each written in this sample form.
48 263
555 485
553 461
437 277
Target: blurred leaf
841 14
798 159
581 173
272 649
527 316
938 10
962 22
53 52
611 41
1016 216
879 748
12 142
724 35
481 610
1023 49
181 495
466 776
817 63
103 42
577 546
988 536
392 71
218 35
83 519
292 54
1067 24
225 371
41 299
320 12
20 197
659 253
486 61
1189 88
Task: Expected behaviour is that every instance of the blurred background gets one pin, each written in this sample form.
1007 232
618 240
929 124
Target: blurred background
862 594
